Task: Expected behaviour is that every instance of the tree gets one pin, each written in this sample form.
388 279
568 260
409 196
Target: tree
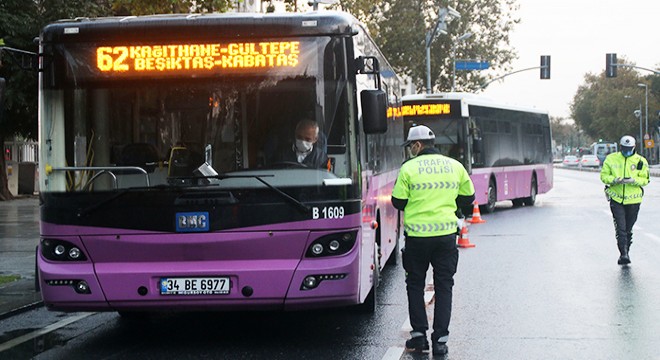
603 107
21 21
17 29
399 27
150 7
567 134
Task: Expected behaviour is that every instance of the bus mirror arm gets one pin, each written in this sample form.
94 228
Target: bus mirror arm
368 65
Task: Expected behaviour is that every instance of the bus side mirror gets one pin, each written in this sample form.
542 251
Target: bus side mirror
374 111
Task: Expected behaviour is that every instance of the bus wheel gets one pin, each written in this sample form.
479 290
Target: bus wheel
492 198
529 201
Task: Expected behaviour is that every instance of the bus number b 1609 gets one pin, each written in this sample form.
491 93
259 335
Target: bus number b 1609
328 212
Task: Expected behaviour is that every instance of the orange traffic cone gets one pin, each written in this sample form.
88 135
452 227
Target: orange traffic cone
463 240
476 215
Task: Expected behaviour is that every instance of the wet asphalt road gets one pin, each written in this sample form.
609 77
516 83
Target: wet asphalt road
541 283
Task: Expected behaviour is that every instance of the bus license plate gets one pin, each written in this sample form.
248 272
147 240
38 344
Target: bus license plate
195 286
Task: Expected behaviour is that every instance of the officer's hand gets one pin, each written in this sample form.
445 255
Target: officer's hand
617 180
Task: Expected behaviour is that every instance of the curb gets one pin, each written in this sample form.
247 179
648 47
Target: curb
21 309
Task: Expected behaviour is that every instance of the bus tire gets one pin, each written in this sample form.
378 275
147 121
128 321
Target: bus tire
531 200
489 207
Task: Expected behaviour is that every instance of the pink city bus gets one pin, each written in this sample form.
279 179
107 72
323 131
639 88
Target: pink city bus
506 149
161 186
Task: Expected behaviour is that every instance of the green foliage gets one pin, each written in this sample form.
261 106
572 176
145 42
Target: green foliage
603 107
18 28
400 26
150 7
567 134
5 279
51 10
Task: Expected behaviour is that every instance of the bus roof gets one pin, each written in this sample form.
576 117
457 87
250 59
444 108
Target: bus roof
473 99
216 25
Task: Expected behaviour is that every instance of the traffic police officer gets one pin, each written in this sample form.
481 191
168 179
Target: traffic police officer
624 173
429 189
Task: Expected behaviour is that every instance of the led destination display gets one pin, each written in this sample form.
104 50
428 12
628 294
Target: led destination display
425 109
176 58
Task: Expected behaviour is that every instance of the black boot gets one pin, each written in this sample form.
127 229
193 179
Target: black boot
624 258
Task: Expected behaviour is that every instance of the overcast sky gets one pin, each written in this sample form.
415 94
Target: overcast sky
576 34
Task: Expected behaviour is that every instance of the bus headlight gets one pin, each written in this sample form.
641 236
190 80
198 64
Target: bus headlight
317 249
61 250
310 282
74 253
332 244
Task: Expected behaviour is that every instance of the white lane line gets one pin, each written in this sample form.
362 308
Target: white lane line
393 353
652 236
406 328
50 328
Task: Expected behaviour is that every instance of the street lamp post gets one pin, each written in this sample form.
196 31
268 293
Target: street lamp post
641 137
646 110
439 27
638 115
453 58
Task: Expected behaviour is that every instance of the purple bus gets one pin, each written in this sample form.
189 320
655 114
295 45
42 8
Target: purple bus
162 186
506 149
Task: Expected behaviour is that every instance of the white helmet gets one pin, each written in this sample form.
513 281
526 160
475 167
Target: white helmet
417 133
627 141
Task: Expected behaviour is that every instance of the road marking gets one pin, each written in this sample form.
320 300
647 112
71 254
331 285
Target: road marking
406 328
652 236
50 328
393 353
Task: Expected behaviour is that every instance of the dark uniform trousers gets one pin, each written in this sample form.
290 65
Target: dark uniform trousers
624 219
441 252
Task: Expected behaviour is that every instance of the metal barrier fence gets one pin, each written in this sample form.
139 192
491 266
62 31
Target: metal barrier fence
21 151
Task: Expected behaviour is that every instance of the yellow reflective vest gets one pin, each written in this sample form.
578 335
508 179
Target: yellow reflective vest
618 166
431 183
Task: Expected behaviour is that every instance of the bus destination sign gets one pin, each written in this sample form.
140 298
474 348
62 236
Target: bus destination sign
425 109
177 58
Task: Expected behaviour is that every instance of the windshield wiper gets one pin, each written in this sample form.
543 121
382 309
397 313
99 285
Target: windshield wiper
92 208
297 203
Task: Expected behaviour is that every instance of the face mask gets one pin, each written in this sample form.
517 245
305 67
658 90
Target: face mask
304 146
628 153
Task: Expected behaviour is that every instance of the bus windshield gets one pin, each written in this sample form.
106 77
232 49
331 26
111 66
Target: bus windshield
178 125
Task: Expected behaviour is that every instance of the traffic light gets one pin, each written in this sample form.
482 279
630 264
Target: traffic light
545 66
610 65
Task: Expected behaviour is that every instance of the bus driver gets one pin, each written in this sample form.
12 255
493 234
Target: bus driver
305 149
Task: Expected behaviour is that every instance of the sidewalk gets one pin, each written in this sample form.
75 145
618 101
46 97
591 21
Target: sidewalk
19 236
